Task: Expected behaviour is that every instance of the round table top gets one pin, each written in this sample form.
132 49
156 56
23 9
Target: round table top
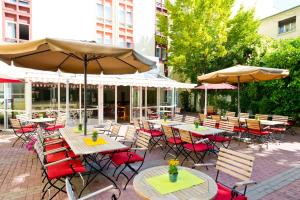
207 190
41 120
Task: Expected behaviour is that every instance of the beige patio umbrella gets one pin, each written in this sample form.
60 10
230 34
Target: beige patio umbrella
73 56
243 74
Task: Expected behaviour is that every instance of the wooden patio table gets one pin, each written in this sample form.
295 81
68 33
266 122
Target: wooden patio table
264 122
202 130
166 123
206 190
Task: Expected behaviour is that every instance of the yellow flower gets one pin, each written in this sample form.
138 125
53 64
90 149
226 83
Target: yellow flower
173 162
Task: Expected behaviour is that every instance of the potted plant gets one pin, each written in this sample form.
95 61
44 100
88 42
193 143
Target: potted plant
197 123
41 115
165 118
80 127
173 170
95 136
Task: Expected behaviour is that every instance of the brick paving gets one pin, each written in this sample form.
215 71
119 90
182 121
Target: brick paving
275 170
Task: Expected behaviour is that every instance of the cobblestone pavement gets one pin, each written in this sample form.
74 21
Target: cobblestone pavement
276 169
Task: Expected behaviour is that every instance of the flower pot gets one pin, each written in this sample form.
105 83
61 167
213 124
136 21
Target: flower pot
94 138
173 177
196 125
80 127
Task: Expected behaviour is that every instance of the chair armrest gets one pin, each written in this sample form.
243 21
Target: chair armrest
57 162
244 183
55 151
141 149
204 164
129 141
97 192
202 141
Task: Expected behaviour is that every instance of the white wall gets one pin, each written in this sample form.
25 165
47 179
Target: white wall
144 26
64 19
1 36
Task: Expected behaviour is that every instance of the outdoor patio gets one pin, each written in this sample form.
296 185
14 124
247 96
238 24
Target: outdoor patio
276 169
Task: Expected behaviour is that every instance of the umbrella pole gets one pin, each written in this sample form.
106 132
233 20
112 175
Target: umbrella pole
85 93
239 109
205 101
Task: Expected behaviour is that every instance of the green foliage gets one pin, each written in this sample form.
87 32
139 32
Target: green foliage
161 40
185 100
95 134
197 32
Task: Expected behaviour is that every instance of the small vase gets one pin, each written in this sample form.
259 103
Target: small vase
173 177
80 127
196 125
94 139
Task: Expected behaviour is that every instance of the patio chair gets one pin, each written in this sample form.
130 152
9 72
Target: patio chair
23 118
136 124
202 117
230 114
209 123
156 135
173 142
23 134
238 128
225 138
261 117
255 129
198 148
244 115
151 114
189 119
237 165
105 127
59 123
114 132
178 118
71 195
217 118
128 158
56 172
177 110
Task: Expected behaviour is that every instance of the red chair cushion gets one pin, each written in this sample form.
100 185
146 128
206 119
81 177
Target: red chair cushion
60 155
64 169
217 138
30 126
175 140
114 151
144 130
155 133
25 130
277 129
197 135
122 158
54 128
224 193
198 147
240 129
256 132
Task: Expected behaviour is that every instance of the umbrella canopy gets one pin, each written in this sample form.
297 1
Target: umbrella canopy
243 74
209 86
7 79
75 57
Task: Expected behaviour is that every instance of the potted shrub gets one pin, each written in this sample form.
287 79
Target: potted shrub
95 136
41 115
80 127
197 123
165 118
173 170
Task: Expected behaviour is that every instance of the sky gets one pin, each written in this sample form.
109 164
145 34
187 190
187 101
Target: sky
266 8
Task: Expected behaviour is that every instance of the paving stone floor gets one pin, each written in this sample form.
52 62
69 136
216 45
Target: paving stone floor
276 169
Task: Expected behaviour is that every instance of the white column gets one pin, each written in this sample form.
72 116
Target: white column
67 102
158 101
116 103
80 117
146 103
58 97
173 102
28 97
205 101
6 97
130 104
100 103
141 101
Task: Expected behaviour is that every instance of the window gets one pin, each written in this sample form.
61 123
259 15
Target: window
287 25
129 18
23 32
23 2
128 45
122 16
107 39
107 11
10 31
157 51
163 54
100 12
99 40
122 41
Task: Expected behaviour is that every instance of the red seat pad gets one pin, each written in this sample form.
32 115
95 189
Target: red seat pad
197 135
155 133
256 132
30 126
60 155
224 193
277 129
115 151
147 131
55 127
56 146
239 129
218 138
25 130
122 158
64 169
175 140
198 147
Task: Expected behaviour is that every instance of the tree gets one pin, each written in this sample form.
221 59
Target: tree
197 33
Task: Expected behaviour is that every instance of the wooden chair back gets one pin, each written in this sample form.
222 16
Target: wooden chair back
244 115
115 129
177 110
61 120
189 119
143 140
230 114
202 117
280 118
178 118
226 126
234 120
217 118
261 117
236 164
136 123
23 117
107 125
15 123
167 130
210 109
185 136
146 125
253 124
209 123
130 133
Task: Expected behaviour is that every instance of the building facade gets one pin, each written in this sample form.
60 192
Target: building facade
283 25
